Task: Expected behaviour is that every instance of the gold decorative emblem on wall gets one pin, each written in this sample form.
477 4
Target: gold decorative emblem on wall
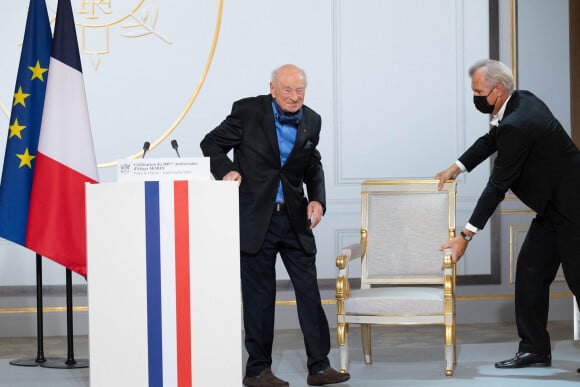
99 17
144 64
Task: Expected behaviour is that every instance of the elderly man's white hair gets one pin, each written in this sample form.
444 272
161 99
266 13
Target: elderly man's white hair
495 72
277 70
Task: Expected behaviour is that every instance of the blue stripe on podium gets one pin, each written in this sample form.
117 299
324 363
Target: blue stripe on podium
153 257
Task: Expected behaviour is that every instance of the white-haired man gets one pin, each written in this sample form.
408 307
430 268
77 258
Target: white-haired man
537 160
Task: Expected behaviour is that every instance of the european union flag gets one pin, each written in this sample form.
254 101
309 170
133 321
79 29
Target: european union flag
24 125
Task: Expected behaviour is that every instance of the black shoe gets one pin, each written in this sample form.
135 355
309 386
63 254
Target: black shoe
265 379
526 359
327 376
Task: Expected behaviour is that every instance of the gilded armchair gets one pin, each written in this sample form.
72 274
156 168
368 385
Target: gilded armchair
405 279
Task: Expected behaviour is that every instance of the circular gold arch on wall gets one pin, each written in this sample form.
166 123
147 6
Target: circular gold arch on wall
191 99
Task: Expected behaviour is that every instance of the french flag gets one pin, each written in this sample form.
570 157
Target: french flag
66 157
164 288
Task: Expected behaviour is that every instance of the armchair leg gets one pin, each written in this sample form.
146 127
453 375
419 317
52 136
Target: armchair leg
365 330
450 349
342 336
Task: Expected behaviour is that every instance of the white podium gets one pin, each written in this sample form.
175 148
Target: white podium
164 284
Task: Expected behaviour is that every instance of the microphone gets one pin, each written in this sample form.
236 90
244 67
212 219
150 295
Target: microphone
145 148
174 146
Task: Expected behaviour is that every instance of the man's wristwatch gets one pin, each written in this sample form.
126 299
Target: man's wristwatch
465 236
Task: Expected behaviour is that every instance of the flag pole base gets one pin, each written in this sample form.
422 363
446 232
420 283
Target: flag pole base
30 362
68 364
39 359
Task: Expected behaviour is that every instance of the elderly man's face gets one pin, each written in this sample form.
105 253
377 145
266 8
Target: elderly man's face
478 84
288 89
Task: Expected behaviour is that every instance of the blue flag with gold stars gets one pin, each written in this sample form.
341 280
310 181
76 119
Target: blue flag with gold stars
24 125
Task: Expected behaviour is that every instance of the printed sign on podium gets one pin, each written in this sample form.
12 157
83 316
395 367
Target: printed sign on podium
186 168
164 283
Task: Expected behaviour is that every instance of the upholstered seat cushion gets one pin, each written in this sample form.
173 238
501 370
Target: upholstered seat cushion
395 301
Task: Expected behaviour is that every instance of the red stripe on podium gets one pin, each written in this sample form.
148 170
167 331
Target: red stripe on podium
182 284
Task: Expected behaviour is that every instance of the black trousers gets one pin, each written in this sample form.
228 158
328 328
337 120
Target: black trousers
258 277
552 239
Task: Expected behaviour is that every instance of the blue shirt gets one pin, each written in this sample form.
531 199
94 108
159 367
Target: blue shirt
286 134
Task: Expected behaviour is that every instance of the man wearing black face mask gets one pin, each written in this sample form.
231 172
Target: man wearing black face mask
538 161
481 103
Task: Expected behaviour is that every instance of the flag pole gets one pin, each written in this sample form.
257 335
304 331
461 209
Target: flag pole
30 362
15 187
70 361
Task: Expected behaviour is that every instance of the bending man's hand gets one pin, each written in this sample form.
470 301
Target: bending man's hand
233 176
458 245
449 174
314 213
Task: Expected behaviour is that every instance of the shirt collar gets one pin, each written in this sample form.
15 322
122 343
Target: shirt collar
286 118
499 116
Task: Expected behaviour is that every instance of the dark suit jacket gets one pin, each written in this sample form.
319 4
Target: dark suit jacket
536 159
251 132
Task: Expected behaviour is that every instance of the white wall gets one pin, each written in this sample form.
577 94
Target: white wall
389 78
544 54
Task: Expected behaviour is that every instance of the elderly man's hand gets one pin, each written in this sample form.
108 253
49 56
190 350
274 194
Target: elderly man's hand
314 213
233 176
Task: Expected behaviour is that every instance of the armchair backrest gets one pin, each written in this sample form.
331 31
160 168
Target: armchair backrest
404 223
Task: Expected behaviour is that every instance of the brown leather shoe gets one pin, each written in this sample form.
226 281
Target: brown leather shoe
328 376
265 379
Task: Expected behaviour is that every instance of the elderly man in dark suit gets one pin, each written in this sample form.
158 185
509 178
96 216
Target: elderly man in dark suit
538 161
274 139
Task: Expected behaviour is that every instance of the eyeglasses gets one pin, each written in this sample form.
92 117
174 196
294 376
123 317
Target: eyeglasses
289 91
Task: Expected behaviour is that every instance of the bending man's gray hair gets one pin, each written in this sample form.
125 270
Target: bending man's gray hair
276 70
495 72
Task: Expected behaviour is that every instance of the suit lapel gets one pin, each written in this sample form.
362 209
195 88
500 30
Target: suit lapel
269 127
301 136
511 105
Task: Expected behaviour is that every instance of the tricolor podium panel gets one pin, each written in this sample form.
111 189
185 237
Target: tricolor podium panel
164 284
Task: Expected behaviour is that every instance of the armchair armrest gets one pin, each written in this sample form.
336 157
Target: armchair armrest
448 265
348 253
449 274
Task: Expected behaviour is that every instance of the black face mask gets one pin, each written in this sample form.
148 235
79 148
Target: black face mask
481 104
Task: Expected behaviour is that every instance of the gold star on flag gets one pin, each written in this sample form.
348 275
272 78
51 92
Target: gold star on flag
37 71
16 129
25 159
19 97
